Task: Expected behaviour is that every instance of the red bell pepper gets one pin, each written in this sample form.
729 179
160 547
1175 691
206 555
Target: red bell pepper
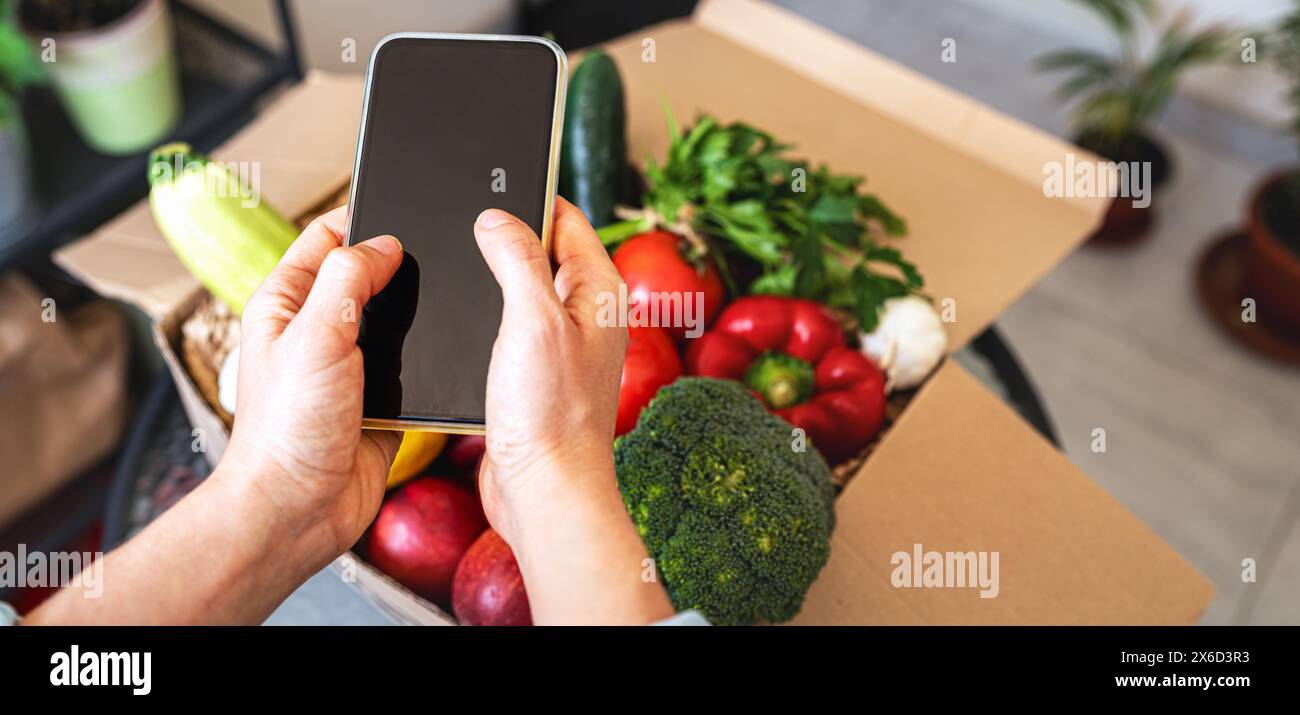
651 363
791 352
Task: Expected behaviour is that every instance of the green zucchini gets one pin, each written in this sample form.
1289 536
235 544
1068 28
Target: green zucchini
593 154
228 241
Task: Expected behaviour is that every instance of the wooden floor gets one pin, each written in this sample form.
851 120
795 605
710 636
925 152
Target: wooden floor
1203 438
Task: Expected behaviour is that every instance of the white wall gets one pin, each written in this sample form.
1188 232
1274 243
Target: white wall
1255 91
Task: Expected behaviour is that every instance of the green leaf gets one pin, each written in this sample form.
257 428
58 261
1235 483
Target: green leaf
893 257
1076 60
1178 50
810 277
747 227
846 235
703 139
19 65
867 299
779 281
615 233
832 208
872 208
674 131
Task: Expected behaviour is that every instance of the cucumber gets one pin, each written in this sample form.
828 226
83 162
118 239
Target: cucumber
593 154
228 241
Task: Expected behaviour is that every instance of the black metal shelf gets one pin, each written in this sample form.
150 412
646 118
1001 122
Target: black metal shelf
223 74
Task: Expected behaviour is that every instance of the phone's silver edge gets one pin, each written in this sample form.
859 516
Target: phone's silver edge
552 177
557 136
423 426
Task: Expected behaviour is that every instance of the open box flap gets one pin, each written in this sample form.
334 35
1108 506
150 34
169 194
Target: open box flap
304 145
969 181
1068 553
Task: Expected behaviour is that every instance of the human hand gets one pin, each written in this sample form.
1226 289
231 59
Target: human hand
547 480
297 441
299 481
553 381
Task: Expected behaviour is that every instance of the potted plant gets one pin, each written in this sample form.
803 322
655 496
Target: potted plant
18 68
1118 96
113 65
1273 248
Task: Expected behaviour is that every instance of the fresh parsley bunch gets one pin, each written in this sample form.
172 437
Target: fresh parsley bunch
810 231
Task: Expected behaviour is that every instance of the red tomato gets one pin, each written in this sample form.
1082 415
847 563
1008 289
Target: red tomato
651 363
650 263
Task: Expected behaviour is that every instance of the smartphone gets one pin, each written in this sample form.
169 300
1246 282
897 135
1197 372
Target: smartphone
451 125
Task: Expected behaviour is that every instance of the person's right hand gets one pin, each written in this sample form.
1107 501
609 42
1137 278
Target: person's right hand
547 480
553 382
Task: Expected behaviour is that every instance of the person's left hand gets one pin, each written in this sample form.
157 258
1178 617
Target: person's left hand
297 440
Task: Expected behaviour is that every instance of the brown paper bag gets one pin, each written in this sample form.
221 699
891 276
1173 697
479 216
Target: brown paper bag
62 391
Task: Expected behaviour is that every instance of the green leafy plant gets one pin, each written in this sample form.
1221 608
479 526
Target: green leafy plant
733 189
1282 46
1118 95
19 66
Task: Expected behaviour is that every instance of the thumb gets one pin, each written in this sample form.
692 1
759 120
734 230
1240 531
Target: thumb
348 279
516 258
387 442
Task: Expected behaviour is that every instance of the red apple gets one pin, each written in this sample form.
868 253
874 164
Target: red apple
488 589
464 453
422 531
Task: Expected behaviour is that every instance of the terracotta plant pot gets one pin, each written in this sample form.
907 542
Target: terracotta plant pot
1273 252
1125 223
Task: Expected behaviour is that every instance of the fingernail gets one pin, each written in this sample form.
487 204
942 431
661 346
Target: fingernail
387 245
492 218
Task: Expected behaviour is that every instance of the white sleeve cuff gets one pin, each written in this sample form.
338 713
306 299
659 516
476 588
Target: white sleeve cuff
685 618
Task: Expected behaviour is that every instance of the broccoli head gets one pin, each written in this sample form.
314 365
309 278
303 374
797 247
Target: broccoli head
737 520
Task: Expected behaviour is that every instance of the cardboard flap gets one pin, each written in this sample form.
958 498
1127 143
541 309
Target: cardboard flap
1068 553
304 144
967 179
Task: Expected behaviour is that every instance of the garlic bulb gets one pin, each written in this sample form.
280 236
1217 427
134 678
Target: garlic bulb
226 381
907 343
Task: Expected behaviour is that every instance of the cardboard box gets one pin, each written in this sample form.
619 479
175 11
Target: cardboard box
959 471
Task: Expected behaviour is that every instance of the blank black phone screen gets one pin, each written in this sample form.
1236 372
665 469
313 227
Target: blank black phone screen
452 127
